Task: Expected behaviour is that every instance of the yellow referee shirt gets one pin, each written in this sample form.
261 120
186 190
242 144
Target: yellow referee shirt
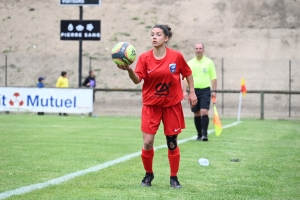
203 72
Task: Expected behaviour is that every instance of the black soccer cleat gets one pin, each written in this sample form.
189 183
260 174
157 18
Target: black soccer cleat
174 182
204 139
199 138
146 182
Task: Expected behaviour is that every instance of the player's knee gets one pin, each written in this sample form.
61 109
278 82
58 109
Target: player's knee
148 145
172 142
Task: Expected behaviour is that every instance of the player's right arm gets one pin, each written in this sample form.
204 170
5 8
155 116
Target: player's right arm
132 75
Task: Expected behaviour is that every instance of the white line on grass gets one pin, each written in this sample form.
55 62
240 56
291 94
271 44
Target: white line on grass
56 181
57 126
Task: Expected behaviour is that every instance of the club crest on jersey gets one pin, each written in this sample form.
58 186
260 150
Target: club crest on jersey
172 67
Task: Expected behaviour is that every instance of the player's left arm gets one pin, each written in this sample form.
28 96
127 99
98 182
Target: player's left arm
192 98
184 88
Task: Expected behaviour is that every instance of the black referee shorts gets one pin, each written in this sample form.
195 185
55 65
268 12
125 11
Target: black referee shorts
203 96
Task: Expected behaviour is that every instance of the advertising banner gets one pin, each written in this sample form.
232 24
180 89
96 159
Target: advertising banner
60 100
80 30
80 2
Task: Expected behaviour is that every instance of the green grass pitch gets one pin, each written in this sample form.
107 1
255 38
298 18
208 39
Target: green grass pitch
35 149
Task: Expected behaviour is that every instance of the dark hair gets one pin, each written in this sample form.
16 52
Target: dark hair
90 72
63 73
166 29
41 78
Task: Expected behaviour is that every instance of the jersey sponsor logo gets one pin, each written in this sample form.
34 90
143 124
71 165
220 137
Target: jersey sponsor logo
172 67
204 70
163 88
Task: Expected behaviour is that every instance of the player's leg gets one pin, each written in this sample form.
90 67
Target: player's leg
174 160
173 120
151 117
204 107
147 159
197 117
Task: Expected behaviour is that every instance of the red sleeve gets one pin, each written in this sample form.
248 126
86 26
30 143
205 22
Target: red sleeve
185 69
141 67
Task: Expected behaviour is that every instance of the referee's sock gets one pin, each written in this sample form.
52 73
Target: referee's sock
197 121
204 123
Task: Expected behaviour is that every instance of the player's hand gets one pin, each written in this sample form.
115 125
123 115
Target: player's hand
192 99
185 95
123 67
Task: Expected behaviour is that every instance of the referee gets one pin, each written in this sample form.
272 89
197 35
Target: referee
205 84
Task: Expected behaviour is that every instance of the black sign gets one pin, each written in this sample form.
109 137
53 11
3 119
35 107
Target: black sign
80 30
80 2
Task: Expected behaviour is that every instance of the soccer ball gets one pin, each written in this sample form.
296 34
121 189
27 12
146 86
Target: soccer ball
123 53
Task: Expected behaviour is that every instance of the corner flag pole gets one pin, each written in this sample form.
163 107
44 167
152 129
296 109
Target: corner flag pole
242 93
240 105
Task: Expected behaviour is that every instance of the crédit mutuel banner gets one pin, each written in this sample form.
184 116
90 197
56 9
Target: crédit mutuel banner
64 100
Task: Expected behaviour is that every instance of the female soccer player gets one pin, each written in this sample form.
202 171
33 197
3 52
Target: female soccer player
160 69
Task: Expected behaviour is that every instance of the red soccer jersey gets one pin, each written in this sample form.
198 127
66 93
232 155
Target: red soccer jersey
162 84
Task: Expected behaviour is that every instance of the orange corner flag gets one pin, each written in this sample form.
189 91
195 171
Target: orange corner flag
243 87
216 119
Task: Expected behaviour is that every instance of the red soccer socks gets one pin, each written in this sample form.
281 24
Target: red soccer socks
147 158
174 158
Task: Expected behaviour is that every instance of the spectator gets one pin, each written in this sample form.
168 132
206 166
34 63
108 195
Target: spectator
40 85
63 82
90 82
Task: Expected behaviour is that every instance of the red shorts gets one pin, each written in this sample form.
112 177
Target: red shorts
172 118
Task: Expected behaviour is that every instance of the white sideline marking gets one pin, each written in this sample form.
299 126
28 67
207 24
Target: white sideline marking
56 181
56 126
